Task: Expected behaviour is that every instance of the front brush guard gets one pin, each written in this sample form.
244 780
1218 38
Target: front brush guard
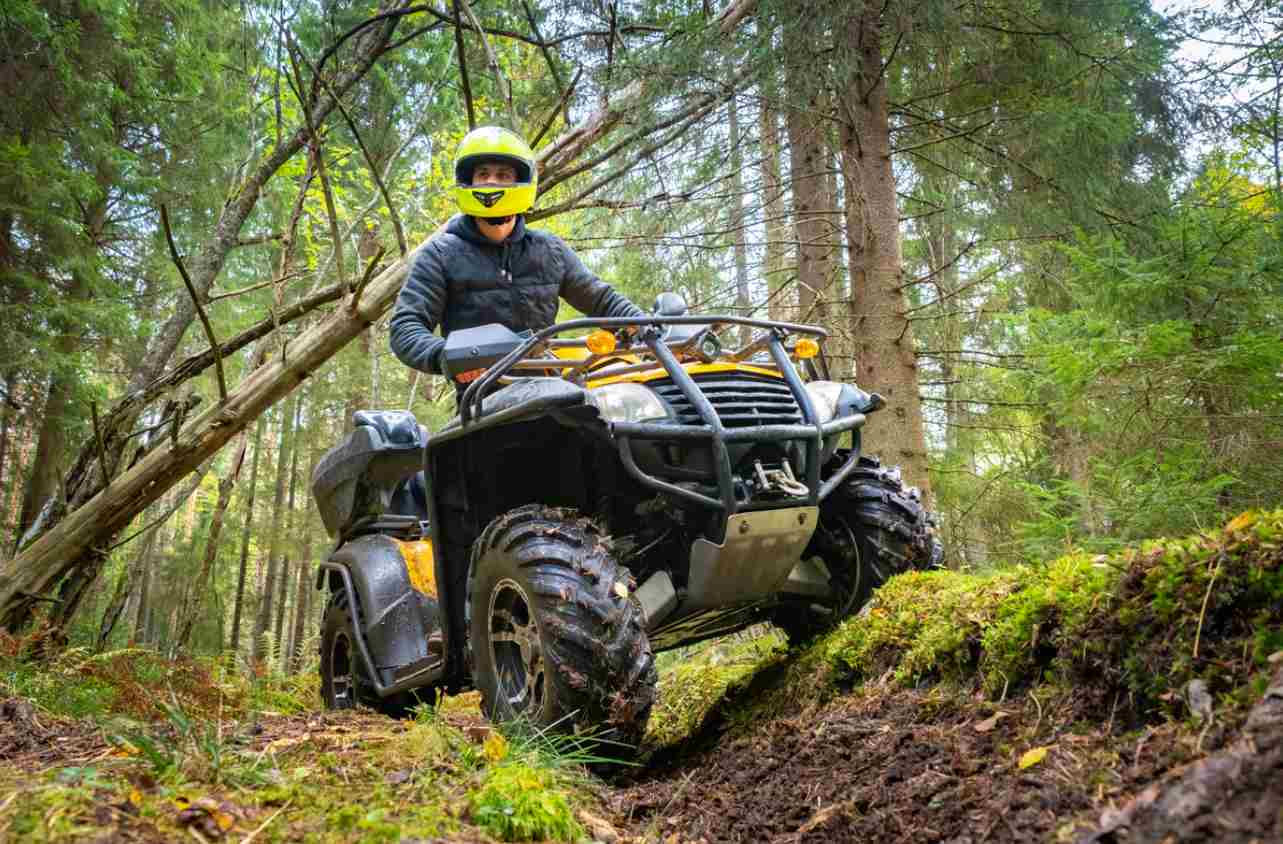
811 431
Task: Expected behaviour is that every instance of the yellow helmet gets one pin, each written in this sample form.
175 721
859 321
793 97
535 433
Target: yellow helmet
494 143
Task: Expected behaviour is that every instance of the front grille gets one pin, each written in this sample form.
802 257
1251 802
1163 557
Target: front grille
742 401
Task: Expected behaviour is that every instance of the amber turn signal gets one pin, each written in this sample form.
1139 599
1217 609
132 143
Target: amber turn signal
806 348
601 342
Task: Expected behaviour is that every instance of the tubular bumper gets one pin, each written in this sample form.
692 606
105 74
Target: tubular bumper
811 431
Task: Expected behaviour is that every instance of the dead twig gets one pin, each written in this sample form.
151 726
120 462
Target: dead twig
102 450
191 289
229 294
463 69
1202 613
247 839
365 279
552 116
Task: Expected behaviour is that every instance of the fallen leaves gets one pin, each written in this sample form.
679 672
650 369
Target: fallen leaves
1032 757
208 817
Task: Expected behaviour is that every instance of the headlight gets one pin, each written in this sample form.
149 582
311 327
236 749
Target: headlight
629 403
825 395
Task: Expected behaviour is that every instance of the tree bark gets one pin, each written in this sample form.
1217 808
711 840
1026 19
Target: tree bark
193 597
773 209
737 224
234 643
804 34
263 621
7 406
880 328
286 570
302 602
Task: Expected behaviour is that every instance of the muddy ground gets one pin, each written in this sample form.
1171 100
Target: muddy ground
881 764
895 765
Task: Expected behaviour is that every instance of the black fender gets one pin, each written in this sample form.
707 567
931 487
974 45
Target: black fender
395 617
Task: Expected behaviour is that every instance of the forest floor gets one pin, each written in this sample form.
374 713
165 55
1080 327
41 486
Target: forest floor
1134 697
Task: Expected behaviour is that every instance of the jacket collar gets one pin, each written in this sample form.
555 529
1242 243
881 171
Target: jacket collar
466 228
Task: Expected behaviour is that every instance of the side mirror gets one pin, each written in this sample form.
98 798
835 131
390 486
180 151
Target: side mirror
670 304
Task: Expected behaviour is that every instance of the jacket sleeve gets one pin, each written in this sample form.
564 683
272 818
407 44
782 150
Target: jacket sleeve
420 306
588 294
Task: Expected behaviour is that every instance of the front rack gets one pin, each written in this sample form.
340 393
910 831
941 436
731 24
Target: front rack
811 430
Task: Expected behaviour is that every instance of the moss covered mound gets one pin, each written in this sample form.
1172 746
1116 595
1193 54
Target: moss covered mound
1138 623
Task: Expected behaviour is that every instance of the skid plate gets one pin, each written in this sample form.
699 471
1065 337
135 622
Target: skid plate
760 550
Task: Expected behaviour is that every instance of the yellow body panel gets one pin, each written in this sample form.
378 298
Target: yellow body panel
420 564
691 369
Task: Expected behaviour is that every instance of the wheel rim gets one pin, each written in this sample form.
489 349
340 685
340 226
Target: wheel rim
341 690
515 649
842 539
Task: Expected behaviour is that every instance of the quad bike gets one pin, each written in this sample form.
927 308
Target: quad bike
597 499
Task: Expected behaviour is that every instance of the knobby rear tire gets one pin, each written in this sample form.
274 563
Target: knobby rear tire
345 682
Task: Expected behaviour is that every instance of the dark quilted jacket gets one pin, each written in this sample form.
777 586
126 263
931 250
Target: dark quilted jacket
462 280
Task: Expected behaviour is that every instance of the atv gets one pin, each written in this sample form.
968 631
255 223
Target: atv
598 498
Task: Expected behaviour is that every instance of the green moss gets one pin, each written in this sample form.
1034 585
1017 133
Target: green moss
518 802
1142 620
693 683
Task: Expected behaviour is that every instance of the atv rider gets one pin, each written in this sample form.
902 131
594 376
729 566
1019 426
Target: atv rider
488 267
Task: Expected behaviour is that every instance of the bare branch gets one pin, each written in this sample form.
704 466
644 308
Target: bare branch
463 69
200 311
492 59
355 303
229 294
552 115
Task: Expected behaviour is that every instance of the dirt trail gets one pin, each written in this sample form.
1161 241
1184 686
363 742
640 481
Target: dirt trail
896 765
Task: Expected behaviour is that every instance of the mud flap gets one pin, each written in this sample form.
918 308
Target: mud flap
396 617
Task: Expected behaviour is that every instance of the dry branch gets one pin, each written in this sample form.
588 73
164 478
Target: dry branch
204 321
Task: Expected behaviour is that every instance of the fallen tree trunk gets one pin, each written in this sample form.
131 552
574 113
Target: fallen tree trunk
48 559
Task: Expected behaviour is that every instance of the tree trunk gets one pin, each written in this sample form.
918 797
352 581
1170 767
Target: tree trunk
814 222
302 602
126 585
51 446
234 643
736 222
264 621
143 609
193 597
882 332
7 406
773 209
286 573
